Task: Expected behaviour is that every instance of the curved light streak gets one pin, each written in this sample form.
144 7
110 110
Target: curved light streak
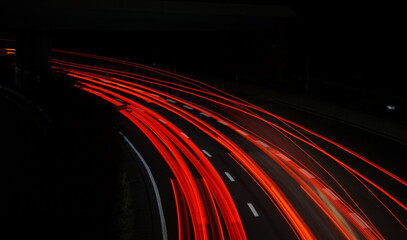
312 188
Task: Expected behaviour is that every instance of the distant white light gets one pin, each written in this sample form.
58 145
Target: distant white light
391 107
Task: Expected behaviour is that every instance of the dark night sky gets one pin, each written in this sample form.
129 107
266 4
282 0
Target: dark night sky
366 38
344 41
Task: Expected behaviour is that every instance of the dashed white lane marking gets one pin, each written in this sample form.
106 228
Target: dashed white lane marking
222 122
118 99
284 157
254 211
263 143
206 153
242 132
183 134
171 101
187 107
331 194
306 173
230 177
204 114
359 220
155 188
164 122
140 109
156 95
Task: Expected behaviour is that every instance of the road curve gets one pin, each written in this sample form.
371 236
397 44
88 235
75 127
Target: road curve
238 171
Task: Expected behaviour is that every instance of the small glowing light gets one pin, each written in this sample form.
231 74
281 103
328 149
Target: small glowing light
391 107
7 51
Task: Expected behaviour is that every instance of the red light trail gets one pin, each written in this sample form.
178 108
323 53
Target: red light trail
205 207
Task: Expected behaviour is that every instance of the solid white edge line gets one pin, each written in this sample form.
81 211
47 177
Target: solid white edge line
156 192
254 211
230 177
206 153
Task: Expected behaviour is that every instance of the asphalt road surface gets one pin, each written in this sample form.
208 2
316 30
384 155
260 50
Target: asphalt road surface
222 168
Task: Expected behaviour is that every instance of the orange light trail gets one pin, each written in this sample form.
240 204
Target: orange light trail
210 190
218 189
261 177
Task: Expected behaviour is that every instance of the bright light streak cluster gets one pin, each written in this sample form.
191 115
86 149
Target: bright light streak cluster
204 205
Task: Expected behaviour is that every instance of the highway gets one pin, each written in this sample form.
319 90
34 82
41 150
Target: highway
224 168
